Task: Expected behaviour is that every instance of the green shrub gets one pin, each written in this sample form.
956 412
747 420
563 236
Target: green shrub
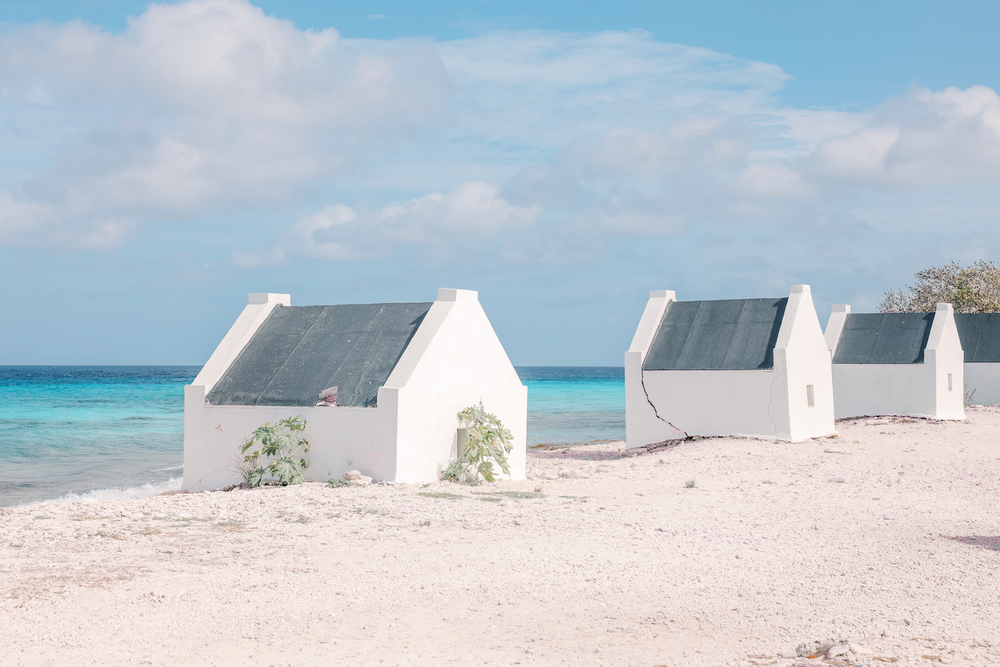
969 289
280 442
488 442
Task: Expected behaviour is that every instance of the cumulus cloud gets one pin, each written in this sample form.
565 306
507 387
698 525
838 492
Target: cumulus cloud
927 138
210 103
227 60
338 232
726 169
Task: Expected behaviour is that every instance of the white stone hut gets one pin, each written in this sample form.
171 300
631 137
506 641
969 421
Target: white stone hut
752 367
402 371
980 336
896 363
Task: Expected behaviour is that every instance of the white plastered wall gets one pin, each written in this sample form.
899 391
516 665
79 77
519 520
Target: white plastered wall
341 438
207 457
454 359
802 360
642 426
985 380
769 403
932 389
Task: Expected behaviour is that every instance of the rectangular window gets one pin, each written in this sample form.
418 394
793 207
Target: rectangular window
811 396
949 381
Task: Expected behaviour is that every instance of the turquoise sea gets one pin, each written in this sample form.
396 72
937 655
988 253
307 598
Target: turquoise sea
92 433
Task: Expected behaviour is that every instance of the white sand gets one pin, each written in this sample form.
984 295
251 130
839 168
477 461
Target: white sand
777 545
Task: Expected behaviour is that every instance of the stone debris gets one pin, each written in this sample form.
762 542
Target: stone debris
355 478
843 653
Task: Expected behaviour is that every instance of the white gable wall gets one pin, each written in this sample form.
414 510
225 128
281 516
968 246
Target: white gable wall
642 426
258 308
454 361
944 353
801 360
917 390
769 403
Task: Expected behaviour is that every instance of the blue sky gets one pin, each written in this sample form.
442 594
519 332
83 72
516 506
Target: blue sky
158 163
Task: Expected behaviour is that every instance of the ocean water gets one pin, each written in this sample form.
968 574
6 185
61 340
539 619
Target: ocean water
89 433
574 404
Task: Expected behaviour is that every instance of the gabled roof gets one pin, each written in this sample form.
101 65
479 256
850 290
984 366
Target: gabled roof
732 334
883 338
299 351
980 336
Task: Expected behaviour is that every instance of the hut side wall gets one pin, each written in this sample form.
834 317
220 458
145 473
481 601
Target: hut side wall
711 403
341 438
883 389
984 378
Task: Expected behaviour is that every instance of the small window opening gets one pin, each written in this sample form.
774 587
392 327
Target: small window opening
811 396
949 381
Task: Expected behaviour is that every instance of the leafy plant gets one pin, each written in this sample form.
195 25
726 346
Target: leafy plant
969 289
280 442
690 484
488 442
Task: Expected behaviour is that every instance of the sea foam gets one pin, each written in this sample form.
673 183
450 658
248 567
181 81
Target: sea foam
121 493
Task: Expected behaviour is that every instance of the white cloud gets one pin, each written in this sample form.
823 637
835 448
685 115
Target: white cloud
689 144
556 86
211 106
771 180
211 103
710 169
338 232
25 223
227 60
928 138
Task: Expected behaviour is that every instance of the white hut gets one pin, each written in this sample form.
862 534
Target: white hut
402 372
980 336
753 367
896 363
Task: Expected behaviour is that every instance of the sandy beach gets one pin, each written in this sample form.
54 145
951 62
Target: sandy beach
883 542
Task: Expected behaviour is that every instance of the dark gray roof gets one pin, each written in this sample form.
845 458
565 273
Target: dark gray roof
884 338
734 334
980 336
301 350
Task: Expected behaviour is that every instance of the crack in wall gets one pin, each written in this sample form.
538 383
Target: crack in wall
642 381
